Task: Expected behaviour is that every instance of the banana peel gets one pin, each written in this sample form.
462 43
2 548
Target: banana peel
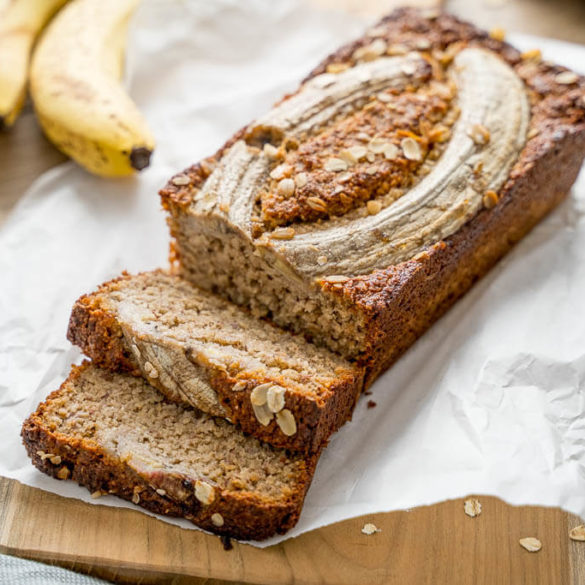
76 90
21 21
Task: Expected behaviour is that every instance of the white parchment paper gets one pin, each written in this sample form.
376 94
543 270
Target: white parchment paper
490 401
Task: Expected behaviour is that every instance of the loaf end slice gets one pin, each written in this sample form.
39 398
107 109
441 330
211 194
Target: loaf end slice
115 434
203 351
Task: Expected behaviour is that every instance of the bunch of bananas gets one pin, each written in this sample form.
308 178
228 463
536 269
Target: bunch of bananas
74 74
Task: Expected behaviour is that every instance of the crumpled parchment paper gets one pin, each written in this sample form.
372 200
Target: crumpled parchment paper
491 400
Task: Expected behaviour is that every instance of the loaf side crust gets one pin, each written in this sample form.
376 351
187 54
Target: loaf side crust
403 303
246 516
99 335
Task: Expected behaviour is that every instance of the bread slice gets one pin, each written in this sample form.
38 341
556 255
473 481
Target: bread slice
363 205
201 350
115 434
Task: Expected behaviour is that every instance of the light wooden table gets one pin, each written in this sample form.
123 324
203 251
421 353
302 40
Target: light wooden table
432 545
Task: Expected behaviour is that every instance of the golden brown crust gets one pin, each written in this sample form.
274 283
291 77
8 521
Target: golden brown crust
99 335
403 301
316 420
246 516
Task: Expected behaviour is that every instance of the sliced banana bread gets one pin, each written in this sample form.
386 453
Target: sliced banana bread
113 433
204 351
362 206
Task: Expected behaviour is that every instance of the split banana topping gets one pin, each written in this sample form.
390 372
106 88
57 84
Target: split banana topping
486 140
20 23
325 96
75 86
242 173
179 375
491 97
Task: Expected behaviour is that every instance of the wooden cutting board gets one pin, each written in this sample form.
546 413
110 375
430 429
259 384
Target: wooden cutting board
430 545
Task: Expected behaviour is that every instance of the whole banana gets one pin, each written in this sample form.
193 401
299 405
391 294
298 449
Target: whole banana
75 86
20 23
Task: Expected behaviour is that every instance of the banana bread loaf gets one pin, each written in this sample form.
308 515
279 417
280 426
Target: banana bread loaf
115 434
362 206
206 352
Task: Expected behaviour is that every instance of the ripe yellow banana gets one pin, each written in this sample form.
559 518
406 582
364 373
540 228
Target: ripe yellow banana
75 87
20 23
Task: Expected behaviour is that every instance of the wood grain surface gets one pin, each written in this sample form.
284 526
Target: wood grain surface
431 545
